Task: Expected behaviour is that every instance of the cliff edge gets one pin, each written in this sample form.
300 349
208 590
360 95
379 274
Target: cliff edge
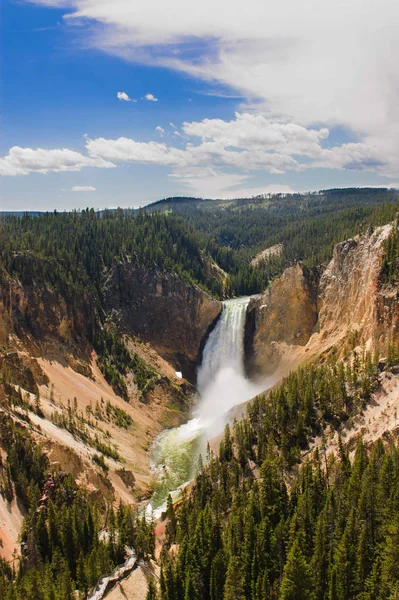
302 315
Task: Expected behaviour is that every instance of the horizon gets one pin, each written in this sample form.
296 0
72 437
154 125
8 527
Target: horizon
104 105
190 198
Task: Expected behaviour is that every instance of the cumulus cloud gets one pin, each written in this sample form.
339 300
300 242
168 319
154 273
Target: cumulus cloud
123 96
247 143
21 161
128 150
150 98
160 130
258 132
83 188
329 63
216 154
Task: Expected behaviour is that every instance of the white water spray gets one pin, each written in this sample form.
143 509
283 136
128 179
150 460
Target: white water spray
225 345
221 385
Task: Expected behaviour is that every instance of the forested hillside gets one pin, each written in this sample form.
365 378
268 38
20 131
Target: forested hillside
61 548
307 225
184 233
72 250
256 527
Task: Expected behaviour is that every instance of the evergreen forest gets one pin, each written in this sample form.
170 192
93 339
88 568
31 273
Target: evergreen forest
285 509
265 520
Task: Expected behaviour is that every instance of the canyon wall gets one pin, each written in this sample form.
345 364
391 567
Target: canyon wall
51 373
302 314
161 308
286 313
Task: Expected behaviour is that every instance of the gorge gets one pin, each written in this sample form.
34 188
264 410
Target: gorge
222 385
121 357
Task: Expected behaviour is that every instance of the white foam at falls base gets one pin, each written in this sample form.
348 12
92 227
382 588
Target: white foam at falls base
228 389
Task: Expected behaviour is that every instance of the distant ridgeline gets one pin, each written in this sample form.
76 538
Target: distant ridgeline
190 232
307 225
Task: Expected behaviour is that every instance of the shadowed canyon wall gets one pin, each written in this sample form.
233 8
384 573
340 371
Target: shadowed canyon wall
161 308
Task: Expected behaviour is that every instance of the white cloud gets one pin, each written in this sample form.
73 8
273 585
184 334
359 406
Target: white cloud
324 62
217 156
21 161
160 130
250 192
208 182
256 131
226 151
123 96
150 98
83 188
127 150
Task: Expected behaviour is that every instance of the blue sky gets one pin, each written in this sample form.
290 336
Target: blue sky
238 105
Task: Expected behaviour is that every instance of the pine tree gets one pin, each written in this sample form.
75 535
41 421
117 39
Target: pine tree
234 588
319 564
172 522
296 583
152 593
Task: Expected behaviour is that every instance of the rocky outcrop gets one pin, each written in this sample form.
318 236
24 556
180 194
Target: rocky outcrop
286 313
161 308
296 318
350 298
42 318
265 255
23 371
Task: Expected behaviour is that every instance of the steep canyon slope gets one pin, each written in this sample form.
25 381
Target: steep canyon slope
162 309
53 383
301 315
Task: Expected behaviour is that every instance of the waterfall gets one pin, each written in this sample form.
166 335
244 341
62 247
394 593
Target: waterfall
221 385
225 345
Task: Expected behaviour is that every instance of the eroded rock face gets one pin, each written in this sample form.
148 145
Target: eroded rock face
296 318
349 291
23 371
286 313
162 309
353 301
39 316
